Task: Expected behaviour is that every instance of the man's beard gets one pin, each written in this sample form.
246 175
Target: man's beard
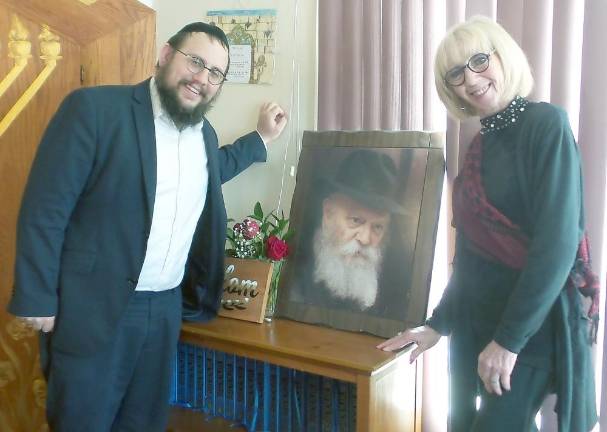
182 116
349 271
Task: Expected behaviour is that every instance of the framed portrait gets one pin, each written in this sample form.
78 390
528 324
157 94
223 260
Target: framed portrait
365 214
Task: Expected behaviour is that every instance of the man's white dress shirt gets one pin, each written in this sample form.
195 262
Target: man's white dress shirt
181 188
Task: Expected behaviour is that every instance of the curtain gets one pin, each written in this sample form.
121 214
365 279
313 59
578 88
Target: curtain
375 72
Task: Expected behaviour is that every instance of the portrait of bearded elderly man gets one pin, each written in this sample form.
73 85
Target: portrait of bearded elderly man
349 262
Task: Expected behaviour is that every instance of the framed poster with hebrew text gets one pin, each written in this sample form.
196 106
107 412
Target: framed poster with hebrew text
252 37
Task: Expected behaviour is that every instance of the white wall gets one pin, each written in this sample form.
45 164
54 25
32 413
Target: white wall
235 112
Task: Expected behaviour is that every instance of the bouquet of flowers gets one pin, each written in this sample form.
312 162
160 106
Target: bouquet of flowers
264 237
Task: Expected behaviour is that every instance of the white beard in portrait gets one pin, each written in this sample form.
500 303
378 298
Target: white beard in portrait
350 270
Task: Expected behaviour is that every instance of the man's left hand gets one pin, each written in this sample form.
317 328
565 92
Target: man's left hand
272 120
495 364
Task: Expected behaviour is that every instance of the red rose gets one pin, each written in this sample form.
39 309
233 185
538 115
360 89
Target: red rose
276 249
250 228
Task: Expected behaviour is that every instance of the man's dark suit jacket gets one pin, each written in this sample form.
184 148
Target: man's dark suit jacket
87 211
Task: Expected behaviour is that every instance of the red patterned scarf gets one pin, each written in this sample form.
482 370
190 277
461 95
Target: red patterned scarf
496 237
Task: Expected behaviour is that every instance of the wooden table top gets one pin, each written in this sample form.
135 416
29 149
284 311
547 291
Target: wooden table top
287 339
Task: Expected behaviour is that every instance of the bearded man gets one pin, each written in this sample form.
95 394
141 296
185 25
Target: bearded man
122 212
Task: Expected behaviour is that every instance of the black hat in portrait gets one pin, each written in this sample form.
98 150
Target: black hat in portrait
370 178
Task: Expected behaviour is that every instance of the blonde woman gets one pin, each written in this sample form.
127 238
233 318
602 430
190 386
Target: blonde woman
513 306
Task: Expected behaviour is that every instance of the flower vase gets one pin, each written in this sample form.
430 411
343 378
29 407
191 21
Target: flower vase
273 290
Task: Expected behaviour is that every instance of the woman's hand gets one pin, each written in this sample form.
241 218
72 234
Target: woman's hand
495 364
424 337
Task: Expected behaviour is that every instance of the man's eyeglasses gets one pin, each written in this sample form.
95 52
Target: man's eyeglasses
196 65
477 63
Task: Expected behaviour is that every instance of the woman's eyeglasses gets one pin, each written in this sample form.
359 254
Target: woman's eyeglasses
477 63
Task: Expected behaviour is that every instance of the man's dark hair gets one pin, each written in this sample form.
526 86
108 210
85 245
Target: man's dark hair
211 30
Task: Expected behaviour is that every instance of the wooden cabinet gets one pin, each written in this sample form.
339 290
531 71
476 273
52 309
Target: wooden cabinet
388 390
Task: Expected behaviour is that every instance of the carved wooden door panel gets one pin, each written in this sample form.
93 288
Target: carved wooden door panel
48 49
34 87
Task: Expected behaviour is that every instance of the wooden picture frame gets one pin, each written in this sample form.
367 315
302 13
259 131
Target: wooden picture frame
245 289
403 278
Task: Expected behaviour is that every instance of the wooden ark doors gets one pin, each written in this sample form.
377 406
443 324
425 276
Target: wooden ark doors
47 49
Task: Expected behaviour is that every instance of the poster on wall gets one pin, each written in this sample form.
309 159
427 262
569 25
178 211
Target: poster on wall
252 36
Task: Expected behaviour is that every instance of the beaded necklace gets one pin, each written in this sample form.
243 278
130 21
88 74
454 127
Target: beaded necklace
504 118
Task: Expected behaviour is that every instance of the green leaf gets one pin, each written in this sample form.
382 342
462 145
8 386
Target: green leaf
263 228
289 234
259 250
257 211
282 224
262 252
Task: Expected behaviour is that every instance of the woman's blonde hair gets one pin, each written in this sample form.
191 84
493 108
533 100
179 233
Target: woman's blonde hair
480 35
